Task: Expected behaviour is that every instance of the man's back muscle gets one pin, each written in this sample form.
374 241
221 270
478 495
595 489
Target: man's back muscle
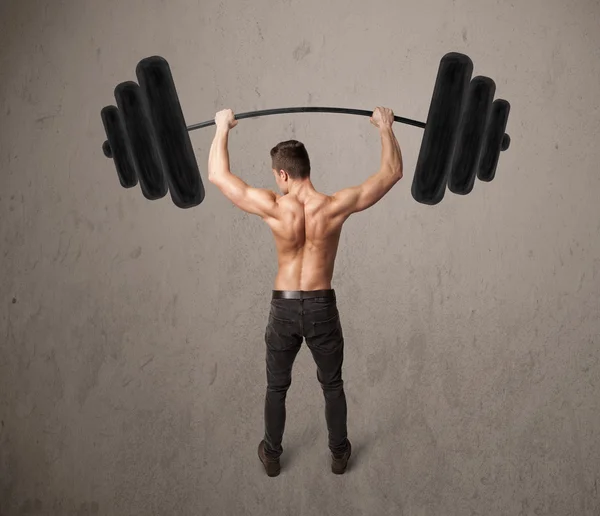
306 235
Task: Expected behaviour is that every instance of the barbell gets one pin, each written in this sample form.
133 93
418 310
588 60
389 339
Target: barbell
149 141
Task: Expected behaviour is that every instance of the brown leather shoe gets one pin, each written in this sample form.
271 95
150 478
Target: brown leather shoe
272 466
339 464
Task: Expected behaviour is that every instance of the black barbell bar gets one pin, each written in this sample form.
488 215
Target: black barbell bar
281 111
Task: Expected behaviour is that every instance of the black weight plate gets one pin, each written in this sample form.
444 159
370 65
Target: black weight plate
493 140
469 138
435 156
141 136
119 146
177 154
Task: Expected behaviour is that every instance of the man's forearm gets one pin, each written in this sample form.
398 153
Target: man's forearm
218 158
391 156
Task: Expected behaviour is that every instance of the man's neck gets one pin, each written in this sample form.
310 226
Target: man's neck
301 189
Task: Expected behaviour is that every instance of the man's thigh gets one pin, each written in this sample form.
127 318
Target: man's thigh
325 339
283 338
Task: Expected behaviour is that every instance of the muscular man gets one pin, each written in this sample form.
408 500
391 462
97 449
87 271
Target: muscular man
306 225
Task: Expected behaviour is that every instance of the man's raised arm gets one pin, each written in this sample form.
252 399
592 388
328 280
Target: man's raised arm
359 198
258 201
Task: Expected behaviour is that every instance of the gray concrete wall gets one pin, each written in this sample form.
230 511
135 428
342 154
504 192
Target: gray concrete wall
132 371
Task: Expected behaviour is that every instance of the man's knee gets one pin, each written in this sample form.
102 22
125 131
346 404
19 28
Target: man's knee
279 385
334 385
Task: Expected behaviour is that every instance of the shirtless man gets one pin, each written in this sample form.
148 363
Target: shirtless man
306 225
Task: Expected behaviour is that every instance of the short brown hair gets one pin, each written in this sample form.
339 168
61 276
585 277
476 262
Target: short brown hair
292 157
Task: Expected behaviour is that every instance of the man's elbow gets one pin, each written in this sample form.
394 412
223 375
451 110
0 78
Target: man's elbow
218 175
393 168
214 178
396 172
399 167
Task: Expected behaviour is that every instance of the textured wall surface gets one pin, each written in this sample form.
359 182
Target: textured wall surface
132 372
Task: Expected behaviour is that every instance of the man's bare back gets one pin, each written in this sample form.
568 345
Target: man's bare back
307 234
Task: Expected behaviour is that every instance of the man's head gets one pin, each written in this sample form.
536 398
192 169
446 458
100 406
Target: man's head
291 164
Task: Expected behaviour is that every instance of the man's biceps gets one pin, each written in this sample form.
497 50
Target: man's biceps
348 195
259 195
371 192
368 190
262 199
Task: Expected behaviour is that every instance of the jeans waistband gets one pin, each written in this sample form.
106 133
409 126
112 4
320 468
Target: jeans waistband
303 294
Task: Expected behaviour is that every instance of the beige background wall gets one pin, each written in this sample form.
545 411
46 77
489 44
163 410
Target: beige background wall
132 372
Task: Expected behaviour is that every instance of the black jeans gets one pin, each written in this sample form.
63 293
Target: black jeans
314 315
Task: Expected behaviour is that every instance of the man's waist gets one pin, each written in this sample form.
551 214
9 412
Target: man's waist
303 294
